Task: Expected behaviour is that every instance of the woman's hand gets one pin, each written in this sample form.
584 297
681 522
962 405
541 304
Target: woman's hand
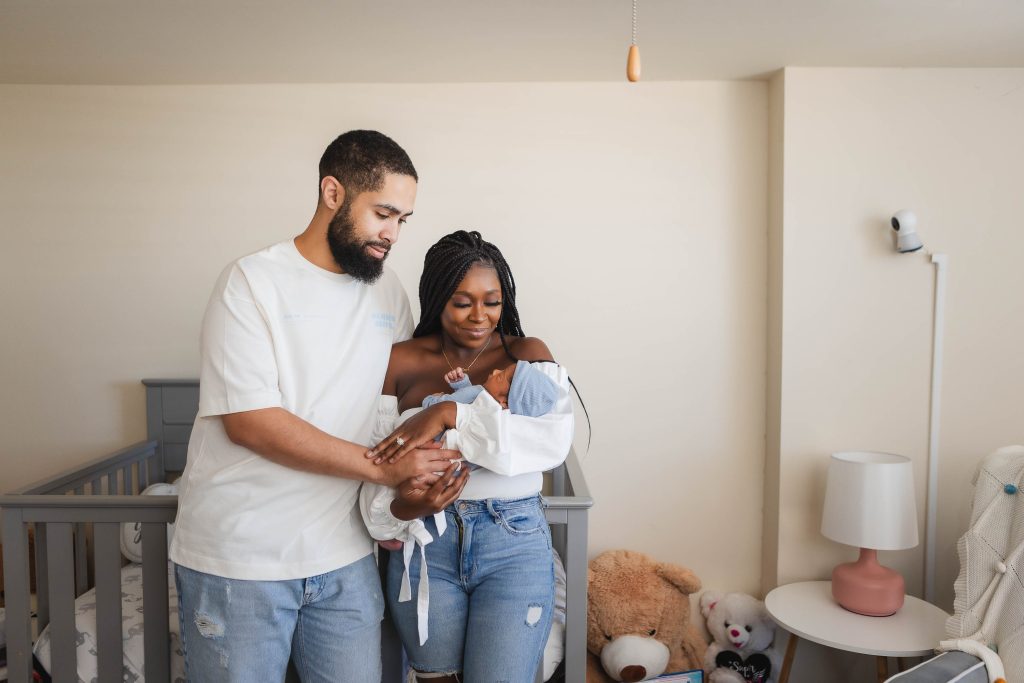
416 432
414 500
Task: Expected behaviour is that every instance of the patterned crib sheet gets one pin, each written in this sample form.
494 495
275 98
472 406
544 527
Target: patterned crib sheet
131 629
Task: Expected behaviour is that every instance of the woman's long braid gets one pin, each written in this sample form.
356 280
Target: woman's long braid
444 266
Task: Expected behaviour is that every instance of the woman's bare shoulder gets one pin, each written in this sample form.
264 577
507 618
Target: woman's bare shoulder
408 352
414 345
407 362
529 348
404 355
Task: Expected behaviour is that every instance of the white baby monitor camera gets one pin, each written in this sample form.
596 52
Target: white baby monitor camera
905 224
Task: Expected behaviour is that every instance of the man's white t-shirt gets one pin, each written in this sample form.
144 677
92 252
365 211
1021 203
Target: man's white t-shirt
282 332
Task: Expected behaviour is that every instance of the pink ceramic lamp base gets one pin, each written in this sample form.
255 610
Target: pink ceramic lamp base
866 587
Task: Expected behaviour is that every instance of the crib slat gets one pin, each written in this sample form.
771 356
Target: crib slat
108 601
63 657
19 635
154 602
126 476
81 561
96 486
81 556
143 473
154 465
42 578
112 484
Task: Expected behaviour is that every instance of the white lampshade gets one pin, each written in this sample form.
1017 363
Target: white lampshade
869 501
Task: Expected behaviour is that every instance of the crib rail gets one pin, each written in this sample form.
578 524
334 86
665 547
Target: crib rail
76 515
55 519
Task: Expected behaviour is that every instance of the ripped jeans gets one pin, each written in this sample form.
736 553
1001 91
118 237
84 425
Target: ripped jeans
492 588
245 631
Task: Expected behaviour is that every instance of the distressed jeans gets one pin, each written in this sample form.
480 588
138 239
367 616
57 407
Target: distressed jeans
245 631
492 589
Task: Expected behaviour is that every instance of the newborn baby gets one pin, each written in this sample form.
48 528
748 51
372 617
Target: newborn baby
520 387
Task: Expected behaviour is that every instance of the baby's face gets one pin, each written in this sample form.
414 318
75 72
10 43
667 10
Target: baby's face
498 384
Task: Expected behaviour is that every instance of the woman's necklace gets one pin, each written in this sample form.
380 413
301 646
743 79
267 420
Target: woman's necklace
452 367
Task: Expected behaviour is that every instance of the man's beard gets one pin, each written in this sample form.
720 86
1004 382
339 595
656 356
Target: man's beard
349 252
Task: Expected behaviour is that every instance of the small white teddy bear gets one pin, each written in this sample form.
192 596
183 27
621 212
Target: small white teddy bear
743 633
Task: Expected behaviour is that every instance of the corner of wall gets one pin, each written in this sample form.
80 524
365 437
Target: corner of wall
773 289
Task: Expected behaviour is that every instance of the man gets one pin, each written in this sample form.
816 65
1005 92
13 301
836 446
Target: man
272 559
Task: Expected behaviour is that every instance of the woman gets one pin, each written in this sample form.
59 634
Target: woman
491 576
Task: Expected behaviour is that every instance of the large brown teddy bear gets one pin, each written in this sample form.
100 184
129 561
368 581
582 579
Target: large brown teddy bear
638 618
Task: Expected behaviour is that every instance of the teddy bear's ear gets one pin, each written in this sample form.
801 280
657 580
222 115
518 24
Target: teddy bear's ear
680 577
708 602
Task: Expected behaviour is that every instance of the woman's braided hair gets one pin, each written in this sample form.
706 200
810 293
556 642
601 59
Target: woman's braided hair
444 266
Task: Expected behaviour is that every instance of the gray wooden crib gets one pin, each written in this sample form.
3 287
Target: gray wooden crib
75 521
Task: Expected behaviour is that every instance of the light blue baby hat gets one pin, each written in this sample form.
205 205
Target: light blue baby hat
532 392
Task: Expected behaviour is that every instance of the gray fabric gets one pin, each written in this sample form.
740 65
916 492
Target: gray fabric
944 669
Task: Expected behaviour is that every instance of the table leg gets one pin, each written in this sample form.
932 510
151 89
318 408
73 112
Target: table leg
883 668
787 662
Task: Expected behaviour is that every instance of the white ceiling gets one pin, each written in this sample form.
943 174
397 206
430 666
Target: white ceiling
315 41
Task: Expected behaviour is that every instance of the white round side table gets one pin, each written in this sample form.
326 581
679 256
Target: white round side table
807 610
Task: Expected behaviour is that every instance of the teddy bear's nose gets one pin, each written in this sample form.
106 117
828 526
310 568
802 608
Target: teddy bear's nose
633 673
734 633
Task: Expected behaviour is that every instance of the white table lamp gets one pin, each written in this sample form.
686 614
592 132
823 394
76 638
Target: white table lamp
869 503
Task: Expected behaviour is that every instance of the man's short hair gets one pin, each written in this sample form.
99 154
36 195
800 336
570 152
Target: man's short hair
360 159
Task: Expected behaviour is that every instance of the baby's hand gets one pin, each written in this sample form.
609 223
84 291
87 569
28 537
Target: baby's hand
453 376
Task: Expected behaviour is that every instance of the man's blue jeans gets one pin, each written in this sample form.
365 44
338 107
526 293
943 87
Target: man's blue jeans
245 631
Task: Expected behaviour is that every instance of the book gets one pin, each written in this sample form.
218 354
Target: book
694 676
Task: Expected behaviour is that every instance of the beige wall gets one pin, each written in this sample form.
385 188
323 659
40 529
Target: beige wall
711 260
634 217
857 317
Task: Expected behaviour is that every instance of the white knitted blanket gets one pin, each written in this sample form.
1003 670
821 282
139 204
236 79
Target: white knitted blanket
989 607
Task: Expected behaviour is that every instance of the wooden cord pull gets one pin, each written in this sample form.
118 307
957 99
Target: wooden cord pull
633 64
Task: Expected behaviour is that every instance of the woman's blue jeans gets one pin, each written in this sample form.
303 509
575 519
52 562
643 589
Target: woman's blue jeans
241 631
491 592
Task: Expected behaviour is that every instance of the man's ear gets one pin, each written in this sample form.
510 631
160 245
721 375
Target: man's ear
332 193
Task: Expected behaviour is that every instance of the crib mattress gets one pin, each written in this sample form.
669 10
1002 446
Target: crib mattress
131 630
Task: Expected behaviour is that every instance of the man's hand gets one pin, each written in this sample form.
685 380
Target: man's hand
415 499
425 465
414 433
